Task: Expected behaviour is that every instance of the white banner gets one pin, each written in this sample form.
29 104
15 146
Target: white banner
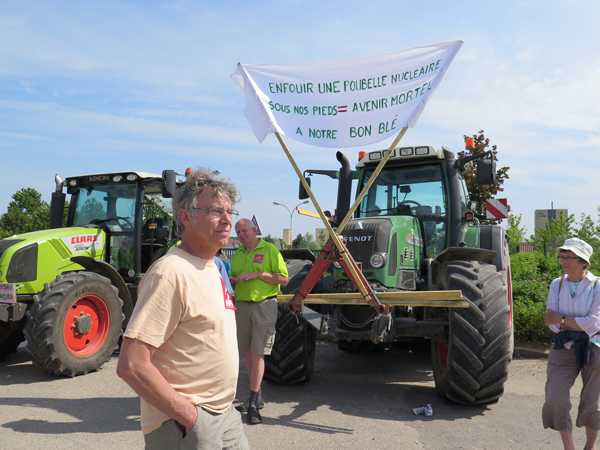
343 103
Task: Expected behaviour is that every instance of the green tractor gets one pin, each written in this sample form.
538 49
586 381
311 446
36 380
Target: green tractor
75 287
414 230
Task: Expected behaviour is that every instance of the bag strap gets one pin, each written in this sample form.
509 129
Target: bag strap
561 282
563 278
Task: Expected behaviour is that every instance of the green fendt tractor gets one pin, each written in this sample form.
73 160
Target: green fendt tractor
76 286
415 230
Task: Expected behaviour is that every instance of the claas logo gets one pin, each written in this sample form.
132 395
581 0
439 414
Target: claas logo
84 238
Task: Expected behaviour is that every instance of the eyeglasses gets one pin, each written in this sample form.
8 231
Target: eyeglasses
567 258
216 212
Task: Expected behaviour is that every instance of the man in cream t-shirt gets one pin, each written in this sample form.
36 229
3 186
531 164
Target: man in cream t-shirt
179 352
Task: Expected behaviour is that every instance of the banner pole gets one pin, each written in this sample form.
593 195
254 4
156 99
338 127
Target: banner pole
364 290
364 190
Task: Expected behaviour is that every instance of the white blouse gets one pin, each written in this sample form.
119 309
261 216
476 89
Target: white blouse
584 306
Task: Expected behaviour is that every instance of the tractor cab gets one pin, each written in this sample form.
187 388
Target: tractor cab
414 185
132 209
408 216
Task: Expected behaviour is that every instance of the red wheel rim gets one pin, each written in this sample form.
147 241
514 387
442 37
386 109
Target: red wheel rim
86 325
442 353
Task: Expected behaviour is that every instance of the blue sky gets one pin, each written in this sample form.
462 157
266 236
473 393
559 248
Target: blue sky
90 87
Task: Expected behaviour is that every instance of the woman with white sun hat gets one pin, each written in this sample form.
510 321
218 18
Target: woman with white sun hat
573 315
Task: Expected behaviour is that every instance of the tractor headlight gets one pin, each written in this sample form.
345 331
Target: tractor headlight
378 260
337 265
23 265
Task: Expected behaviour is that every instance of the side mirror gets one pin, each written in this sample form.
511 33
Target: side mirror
302 194
472 206
486 171
169 183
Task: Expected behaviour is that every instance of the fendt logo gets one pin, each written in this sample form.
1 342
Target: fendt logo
358 238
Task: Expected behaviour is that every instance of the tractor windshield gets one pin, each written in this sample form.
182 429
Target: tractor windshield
105 202
415 191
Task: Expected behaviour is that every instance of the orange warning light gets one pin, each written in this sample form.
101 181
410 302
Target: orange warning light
361 155
470 144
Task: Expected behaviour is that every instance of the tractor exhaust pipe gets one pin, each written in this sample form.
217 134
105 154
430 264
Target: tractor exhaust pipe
344 188
57 204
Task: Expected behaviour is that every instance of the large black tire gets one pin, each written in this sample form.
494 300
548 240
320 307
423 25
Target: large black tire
297 270
75 324
507 280
493 237
473 367
293 356
10 339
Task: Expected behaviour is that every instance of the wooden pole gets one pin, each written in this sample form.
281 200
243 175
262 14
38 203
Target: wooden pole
444 299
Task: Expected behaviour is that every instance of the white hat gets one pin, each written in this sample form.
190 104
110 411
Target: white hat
579 247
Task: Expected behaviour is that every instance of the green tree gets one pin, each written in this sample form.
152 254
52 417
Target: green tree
554 233
26 212
307 241
322 238
515 233
480 193
275 241
302 241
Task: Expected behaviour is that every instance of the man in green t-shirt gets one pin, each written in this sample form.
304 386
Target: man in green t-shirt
257 271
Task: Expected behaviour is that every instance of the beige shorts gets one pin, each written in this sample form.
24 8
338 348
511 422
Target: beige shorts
256 325
211 431
562 373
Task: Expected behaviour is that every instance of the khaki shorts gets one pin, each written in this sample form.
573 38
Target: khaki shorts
562 373
256 325
210 432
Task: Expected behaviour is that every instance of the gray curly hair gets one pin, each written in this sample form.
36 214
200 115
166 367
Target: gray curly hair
195 183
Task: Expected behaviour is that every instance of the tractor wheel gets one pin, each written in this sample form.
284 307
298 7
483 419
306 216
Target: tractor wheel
75 324
293 356
493 237
473 366
297 270
10 339
507 280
